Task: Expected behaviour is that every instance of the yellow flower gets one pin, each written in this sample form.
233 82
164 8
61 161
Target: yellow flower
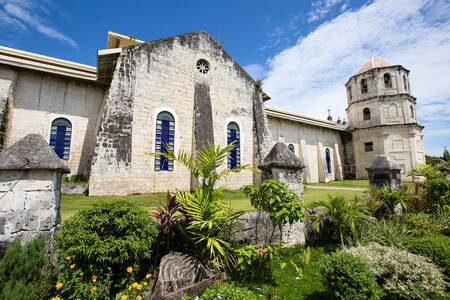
109 268
59 285
124 297
144 283
135 284
94 278
93 288
139 287
148 276
56 298
72 266
81 274
130 269
68 257
139 297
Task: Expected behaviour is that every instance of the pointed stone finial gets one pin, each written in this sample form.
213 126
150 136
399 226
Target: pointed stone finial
338 120
329 118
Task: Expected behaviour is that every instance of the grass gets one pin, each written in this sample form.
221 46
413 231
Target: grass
284 284
344 183
70 204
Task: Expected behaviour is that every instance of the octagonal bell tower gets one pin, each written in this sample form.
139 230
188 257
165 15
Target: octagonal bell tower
382 116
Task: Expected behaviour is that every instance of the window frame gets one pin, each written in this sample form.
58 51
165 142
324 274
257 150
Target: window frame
367 115
368 147
53 136
165 126
388 83
364 86
236 151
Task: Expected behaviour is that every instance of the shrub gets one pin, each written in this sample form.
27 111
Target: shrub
275 197
436 248
254 262
421 224
25 271
345 215
108 237
401 274
437 194
76 178
228 292
348 277
385 232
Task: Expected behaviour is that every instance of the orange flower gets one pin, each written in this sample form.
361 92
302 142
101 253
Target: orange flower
144 283
148 276
130 269
124 297
59 285
94 278
68 257
72 266
139 297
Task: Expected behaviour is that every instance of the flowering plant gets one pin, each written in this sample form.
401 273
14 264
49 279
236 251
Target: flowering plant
253 262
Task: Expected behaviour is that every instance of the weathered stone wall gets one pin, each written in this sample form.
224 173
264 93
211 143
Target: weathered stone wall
29 205
39 99
400 143
310 144
166 77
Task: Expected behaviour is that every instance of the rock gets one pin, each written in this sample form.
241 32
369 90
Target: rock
74 189
176 271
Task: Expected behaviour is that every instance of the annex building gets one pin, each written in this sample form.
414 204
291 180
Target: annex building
183 92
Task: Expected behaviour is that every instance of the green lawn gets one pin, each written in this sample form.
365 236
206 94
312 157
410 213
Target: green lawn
344 183
70 204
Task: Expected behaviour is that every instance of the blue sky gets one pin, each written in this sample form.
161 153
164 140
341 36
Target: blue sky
303 50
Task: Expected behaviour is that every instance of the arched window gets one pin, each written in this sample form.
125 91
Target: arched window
60 135
393 111
291 147
366 114
405 83
411 108
165 135
349 92
234 156
328 159
364 86
387 80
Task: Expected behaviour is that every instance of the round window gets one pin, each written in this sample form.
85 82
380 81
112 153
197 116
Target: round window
202 66
291 147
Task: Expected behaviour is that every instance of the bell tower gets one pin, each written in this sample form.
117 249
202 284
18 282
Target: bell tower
382 116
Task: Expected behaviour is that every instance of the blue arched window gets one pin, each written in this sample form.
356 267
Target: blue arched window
60 135
234 157
328 159
165 135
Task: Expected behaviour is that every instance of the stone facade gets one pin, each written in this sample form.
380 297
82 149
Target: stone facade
382 117
113 110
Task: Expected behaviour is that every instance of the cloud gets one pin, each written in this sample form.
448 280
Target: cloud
309 77
321 8
256 71
19 12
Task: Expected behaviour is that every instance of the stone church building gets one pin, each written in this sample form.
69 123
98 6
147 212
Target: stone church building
183 92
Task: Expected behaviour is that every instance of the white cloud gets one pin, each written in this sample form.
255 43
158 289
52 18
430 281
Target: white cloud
309 77
19 12
321 8
256 71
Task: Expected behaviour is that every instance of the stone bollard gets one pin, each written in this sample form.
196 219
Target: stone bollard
283 165
383 171
30 190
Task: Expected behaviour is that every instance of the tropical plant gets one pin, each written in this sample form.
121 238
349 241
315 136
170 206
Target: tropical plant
437 194
275 197
417 200
205 164
167 217
211 223
254 262
427 171
401 274
387 232
25 271
345 216
227 292
348 277
108 236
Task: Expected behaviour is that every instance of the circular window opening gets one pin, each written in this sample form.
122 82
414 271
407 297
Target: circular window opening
202 66
291 147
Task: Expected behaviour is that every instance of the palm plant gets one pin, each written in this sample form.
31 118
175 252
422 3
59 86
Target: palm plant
346 216
427 171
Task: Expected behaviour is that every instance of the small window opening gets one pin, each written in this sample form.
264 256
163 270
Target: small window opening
60 136
411 108
234 156
387 81
368 147
364 88
165 137
405 83
291 147
203 66
349 92
328 159
366 114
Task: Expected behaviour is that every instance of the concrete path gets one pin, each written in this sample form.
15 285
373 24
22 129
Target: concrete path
334 188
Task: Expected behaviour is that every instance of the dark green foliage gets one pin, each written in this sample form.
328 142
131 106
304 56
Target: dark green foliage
277 199
348 277
437 194
227 292
253 263
387 232
422 224
436 248
25 271
111 234
76 179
